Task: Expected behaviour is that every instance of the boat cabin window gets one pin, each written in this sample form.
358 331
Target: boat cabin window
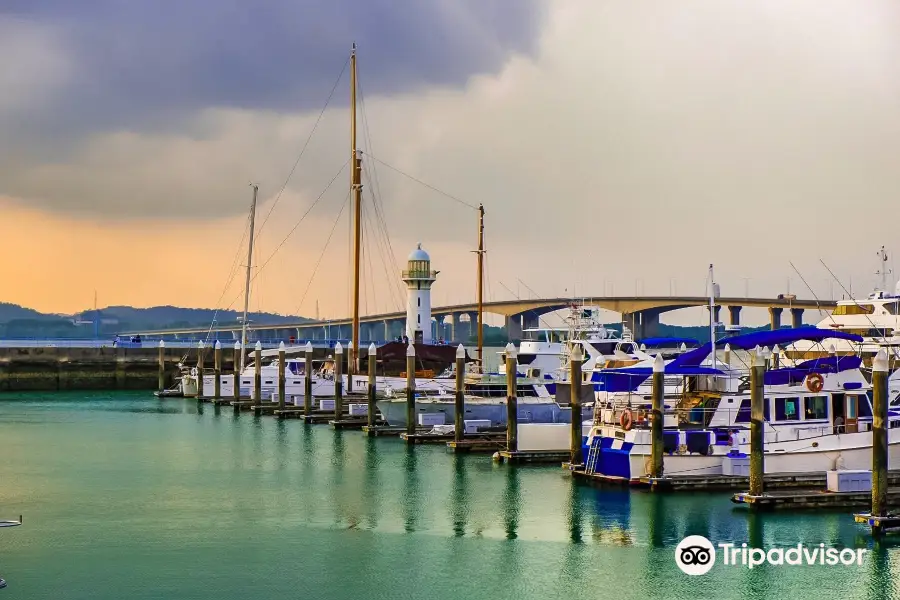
626 348
891 307
815 407
787 409
524 359
895 401
604 347
853 309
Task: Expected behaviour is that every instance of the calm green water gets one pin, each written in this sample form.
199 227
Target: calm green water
125 496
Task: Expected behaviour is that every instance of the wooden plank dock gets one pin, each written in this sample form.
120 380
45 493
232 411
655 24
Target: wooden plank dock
481 444
532 456
426 437
811 498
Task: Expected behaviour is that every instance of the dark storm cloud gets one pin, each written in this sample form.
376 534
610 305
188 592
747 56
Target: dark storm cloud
143 63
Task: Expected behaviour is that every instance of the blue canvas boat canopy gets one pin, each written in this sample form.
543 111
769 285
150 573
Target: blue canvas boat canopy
628 379
763 339
796 374
659 341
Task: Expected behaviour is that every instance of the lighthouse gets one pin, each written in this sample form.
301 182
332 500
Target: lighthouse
418 278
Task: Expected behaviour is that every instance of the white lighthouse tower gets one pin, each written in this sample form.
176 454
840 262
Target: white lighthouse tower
418 277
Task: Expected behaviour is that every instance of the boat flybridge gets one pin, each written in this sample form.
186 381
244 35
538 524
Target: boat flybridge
818 413
876 318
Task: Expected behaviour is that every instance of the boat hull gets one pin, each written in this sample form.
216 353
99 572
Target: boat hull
394 411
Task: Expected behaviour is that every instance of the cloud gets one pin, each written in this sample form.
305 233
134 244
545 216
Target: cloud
637 143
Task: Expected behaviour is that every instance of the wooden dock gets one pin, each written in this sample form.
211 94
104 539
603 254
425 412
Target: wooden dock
349 422
532 456
481 444
426 437
812 498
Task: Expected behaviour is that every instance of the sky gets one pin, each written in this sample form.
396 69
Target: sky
618 148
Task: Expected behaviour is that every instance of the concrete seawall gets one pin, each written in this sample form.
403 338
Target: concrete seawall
106 368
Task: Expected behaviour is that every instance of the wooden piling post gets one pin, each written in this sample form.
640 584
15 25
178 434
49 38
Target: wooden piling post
776 356
575 361
350 370
411 389
657 417
307 380
879 436
757 421
161 382
512 403
200 351
217 369
282 359
459 409
237 370
338 380
727 356
371 411
257 375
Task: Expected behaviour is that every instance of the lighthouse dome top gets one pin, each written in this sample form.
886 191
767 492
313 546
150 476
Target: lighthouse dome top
418 254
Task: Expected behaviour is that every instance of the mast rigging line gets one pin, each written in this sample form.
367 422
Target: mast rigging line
231 275
319 261
420 182
869 319
294 228
305 145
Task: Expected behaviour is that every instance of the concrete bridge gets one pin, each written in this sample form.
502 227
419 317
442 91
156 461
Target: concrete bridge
457 323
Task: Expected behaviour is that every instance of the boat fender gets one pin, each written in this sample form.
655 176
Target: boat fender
626 420
815 382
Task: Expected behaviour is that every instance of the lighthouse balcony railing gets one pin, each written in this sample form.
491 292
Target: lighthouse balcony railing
417 274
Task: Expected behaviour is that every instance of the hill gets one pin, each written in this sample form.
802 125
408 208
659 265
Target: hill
21 322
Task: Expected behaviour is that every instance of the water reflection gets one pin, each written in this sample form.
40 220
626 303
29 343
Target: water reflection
412 494
459 498
371 495
512 499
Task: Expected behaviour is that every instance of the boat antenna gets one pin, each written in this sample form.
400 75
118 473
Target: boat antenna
884 270
712 315
247 280
480 286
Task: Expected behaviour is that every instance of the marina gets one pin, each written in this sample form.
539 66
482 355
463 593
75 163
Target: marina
564 332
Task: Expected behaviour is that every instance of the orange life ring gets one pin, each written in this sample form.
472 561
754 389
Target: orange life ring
625 420
815 382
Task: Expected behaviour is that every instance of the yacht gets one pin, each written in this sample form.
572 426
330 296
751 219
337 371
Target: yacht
875 318
818 412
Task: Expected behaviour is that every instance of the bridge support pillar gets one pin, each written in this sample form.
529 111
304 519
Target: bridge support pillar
716 311
775 317
734 314
531 320
473 327
796 317
514 327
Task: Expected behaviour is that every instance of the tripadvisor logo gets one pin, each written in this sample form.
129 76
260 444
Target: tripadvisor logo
695 555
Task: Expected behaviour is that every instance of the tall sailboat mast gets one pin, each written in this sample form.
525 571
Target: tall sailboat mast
712 316
356 188
481 284
247 280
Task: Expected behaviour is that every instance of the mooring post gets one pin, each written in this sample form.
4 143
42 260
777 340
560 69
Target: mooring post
879 436
338 380
757 421
727 354
459 409
371 410
281 383
657 417
350 363
512 403
576 358
217 368
307 380
776 356
162 366
237 371
200 349
410 389
257 375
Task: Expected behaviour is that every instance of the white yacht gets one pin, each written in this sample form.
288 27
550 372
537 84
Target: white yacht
818 413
